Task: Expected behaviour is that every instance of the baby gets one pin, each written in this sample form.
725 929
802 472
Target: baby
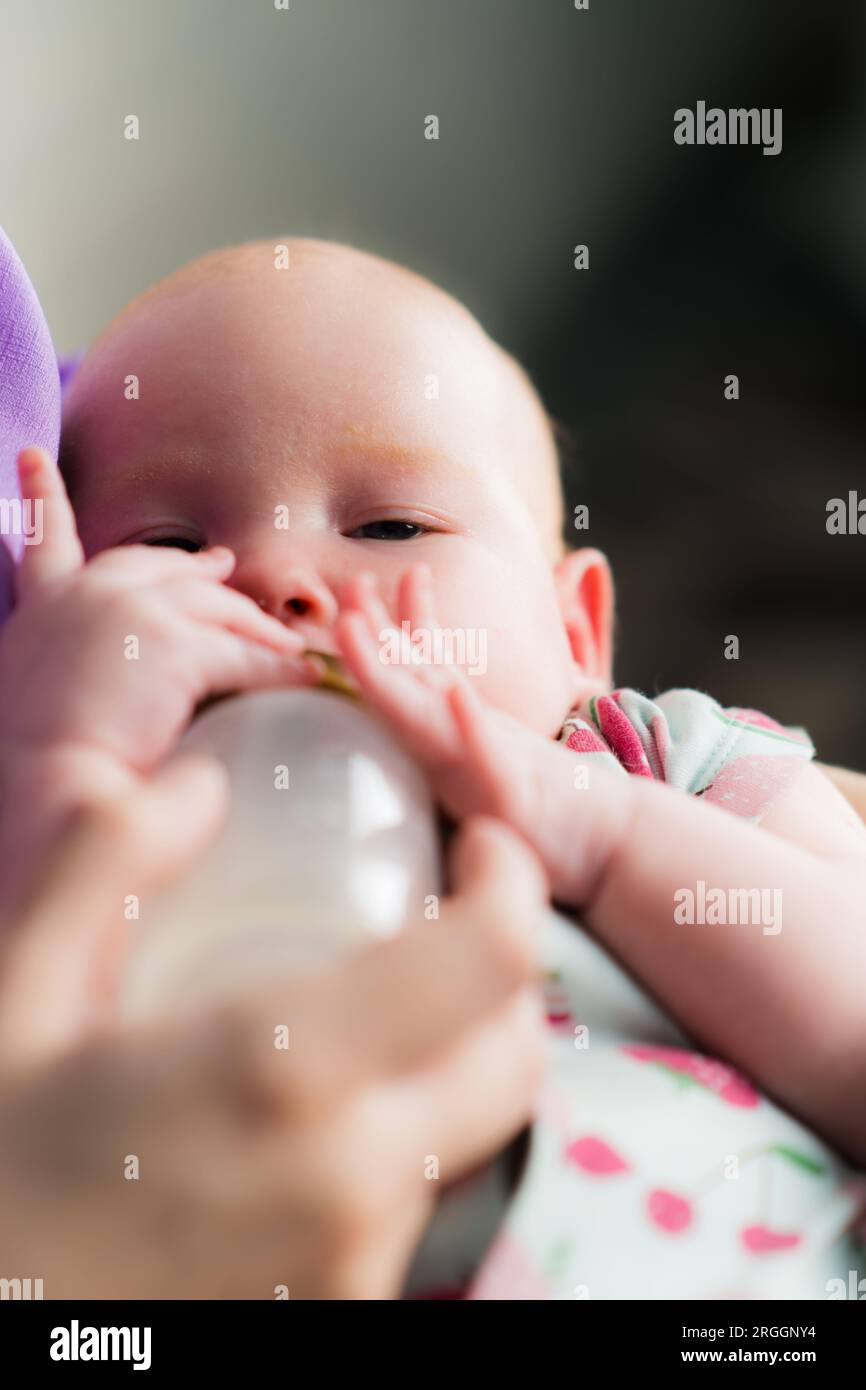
301 449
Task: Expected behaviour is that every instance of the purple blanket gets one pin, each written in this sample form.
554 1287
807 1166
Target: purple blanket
29 393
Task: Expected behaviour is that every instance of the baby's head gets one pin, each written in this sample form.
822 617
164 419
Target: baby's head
341 414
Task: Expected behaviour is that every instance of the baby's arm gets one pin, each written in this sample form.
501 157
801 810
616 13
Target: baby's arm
852 785
783 998
785 1005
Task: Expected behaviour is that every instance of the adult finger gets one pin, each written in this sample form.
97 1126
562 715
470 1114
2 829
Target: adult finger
458 1112
468 1104
398 1006
69 934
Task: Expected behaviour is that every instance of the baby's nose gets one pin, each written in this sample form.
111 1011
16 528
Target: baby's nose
301 598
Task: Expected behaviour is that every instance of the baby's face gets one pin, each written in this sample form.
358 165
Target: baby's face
338 416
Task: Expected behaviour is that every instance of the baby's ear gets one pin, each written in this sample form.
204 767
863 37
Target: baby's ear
584 586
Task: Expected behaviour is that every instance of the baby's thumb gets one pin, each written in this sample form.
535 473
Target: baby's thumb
52 548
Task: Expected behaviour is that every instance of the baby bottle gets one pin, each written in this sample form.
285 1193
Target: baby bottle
330 844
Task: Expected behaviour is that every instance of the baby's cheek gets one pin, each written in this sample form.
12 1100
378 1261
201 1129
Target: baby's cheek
514 640
530 678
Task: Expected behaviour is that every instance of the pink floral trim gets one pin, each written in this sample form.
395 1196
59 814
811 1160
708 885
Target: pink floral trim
621 735
729 1085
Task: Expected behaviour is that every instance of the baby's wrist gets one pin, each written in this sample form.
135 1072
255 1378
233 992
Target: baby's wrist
580 823
535 797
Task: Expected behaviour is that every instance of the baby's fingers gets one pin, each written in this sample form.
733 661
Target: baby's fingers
232 662
415 598
417 609
227 608
55 550
405 645
476 731
136 565
361 595
386 683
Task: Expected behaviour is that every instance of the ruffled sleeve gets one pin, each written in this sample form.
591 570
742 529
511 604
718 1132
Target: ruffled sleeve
739 758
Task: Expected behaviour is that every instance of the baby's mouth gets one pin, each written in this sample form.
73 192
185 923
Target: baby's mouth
335 676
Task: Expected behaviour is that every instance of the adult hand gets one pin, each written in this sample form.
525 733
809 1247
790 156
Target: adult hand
195 1159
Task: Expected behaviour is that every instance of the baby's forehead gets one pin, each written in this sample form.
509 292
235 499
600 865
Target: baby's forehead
334 324
256 323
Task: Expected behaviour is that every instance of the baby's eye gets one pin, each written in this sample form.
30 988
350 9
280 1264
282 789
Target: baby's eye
176 542
388 531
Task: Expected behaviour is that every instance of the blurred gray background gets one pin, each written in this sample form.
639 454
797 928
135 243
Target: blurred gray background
556 128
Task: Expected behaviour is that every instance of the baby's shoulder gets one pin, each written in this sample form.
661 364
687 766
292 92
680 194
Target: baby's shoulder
739 757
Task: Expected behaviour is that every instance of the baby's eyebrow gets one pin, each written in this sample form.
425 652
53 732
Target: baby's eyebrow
164 466
138 476
357 440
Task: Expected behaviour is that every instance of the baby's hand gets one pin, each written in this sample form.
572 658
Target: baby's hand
479 759
114 655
